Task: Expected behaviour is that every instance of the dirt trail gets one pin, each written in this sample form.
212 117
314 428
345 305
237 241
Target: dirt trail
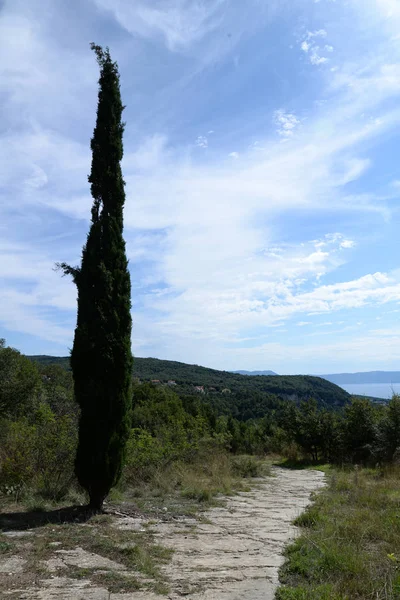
233 553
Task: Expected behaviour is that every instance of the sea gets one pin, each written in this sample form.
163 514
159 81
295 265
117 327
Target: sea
376 390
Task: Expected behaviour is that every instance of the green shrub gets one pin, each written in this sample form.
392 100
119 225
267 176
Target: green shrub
248 466
18 453
38 457
144 455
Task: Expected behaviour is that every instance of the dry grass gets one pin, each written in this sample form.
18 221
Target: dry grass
350 545
187 488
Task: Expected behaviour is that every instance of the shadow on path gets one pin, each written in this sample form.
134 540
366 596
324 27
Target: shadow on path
18 521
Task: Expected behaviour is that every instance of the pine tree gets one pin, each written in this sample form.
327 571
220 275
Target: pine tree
101 358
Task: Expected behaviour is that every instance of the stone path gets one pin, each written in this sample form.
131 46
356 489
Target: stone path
238 553
234 553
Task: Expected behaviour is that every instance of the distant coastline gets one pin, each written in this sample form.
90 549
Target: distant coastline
366 377
372 390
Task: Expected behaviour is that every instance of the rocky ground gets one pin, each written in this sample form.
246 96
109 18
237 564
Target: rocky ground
230 552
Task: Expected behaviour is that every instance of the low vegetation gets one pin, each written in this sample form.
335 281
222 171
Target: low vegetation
349 548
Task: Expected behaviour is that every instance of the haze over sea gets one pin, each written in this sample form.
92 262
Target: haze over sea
376 390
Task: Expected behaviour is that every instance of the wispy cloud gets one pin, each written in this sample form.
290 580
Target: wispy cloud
179 22
314 51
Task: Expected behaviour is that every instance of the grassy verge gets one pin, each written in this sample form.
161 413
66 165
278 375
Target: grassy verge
350 543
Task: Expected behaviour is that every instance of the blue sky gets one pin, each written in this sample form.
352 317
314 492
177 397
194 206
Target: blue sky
262 176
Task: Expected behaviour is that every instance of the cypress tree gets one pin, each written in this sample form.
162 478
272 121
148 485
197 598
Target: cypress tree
101 357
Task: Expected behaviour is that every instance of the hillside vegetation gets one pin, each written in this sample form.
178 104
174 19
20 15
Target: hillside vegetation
187 377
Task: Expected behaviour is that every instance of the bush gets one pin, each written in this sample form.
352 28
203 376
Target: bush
248 466
39 456
144 455
19 383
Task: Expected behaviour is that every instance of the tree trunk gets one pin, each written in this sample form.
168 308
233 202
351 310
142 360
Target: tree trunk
96 502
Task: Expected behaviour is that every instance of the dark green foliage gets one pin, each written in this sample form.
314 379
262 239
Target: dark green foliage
360 431
101 357
19 383
296 387
388 431
304 424
45 360
316 431
38 428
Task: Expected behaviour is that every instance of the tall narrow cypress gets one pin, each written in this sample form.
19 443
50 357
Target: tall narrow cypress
101 357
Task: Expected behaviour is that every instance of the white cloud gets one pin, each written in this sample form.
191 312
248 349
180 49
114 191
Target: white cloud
347 244
202 141
315 58
309 46
234 155
317 33
286 122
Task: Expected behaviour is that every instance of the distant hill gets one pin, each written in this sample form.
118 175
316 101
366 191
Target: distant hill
235 387
255 372
367 377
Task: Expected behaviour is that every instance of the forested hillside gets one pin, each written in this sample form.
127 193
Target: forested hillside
251 389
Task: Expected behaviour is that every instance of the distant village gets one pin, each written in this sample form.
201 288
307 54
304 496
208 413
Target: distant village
199 389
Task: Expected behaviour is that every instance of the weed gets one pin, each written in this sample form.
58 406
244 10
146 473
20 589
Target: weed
5 547
116 582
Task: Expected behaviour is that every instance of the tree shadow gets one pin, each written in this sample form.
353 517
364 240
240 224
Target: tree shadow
20 521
